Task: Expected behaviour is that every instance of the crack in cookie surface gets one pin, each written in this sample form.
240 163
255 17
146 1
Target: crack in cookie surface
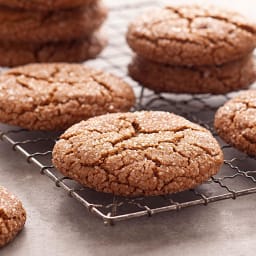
141 153
191 35
44 27
235 122
12 216
55 96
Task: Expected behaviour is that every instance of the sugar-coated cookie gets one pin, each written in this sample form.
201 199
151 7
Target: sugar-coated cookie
191 35
55 96
43 27
17 54
12 216
235 122
140 153
204 79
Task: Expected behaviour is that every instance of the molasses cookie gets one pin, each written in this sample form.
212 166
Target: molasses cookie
140 153
205 79
191 35
45 5
16 54
235 122
55 96
12 216
43 27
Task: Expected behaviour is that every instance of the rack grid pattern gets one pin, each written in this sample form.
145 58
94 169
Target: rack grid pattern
236 178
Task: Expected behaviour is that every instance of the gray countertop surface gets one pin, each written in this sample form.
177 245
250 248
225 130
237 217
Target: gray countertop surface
58 225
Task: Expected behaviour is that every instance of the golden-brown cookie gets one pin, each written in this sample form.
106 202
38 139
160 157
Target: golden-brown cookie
191 35
205 79
55 96
43 27
140 153
45 5
235 122
12 216
16 54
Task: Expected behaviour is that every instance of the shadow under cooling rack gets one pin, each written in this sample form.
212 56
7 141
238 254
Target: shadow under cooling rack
236 178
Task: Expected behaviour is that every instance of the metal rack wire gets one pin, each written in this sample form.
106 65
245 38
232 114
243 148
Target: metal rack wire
236 178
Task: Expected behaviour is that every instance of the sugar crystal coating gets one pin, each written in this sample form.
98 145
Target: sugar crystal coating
191 35
55 96
12 216
235 122
140 153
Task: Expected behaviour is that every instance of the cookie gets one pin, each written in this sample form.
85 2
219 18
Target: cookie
235 122
13 54
205 79
140 153
43 27
45 5
191 35
55 96
12 216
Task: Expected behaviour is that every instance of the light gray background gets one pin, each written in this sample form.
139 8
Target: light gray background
58 225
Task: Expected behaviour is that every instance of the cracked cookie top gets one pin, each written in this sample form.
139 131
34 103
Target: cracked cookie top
191 35
235 122
55 96
43 27
140 153
12 216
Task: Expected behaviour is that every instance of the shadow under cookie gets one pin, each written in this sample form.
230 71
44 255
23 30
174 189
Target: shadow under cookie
205 79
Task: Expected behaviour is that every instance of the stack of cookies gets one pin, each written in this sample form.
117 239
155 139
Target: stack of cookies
50 31
192 49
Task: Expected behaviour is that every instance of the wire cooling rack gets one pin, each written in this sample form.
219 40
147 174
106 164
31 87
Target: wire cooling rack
236 178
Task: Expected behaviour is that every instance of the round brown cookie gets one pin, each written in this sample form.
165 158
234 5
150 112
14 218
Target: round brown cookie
12 216
45 5
13 54
55 96
205 79
235 122
43 27
141 153
191 35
